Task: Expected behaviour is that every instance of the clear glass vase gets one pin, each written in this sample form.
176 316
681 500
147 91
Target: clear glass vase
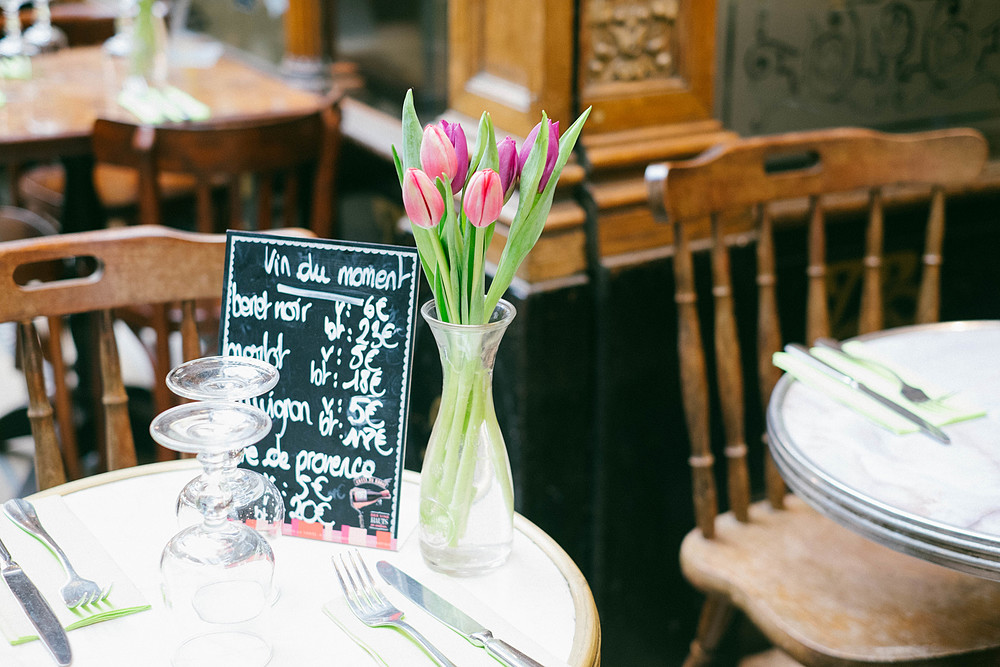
466 492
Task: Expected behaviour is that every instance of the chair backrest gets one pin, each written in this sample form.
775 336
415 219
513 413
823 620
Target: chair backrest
100 273
243 169
760 174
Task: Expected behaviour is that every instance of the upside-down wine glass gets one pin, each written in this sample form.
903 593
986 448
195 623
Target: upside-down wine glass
119 45
42 34
217 576
256 500
13 43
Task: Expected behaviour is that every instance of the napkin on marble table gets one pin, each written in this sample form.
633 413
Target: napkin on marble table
43 568
938 412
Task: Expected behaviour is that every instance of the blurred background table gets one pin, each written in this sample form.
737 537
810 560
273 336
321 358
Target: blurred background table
51 116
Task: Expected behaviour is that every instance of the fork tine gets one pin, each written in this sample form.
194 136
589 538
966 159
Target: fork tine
363 589
350 593
369 582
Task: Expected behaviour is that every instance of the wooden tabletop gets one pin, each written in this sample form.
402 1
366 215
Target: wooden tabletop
52 113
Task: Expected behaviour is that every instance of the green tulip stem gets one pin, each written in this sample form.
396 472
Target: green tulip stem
466 417
476 314
442 262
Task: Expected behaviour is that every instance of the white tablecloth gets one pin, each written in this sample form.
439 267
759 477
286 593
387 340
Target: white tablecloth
527 601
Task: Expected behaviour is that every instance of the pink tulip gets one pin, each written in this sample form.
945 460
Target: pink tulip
507 151
456 135
437 154
551 155
422 201
483 198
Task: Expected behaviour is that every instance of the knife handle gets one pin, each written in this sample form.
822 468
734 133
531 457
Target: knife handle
503 651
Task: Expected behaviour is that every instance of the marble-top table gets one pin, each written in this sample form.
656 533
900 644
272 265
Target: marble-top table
908 492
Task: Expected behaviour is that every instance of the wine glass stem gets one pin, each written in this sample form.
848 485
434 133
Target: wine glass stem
43 16
217 497
12 19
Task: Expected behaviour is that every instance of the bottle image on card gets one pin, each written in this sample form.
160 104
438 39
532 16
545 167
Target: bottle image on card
362 497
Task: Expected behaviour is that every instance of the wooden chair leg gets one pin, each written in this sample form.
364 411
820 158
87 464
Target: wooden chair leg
715 616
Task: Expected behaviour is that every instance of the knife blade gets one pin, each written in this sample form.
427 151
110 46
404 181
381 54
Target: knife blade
50 630
802 352
453 617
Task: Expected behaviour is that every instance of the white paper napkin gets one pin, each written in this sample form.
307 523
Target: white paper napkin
89 559
396 648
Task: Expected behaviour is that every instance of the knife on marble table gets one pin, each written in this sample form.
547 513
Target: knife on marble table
802 352
39 612
453 617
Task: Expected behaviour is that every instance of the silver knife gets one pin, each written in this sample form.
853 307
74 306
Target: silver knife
803 353
38 610
453 617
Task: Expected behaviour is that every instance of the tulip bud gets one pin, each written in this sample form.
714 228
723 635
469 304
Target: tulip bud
483 198
509 170
551 155
422 201
437 154
456 135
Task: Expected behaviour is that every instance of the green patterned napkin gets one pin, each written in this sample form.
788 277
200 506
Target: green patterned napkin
943 410
44 569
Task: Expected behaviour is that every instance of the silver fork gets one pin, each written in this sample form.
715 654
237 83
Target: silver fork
909 392
373 609
77 591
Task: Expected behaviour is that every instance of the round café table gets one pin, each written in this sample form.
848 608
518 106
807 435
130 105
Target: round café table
538 601
908 492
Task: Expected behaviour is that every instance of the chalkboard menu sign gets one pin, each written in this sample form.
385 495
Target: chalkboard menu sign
337 320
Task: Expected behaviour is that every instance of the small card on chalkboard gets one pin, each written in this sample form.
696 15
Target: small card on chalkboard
336 319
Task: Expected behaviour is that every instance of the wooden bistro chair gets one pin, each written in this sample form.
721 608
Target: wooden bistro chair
820 592
99 272
249 162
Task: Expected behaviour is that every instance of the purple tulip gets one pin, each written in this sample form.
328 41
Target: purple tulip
550 157
456 135
509 170
483 198
437 154
422 201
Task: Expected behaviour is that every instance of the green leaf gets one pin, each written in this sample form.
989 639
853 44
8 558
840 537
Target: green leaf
483 134
413 133
488 158
440 299
399 166
425 249
532 211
